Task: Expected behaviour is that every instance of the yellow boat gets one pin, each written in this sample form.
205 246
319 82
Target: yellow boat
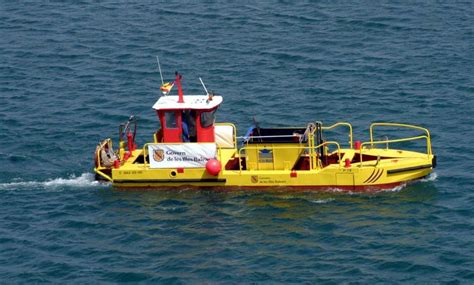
191 150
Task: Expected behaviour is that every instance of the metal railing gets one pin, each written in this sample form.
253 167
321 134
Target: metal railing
309 148
371 143
99 167
145 153
234 140
426 131
341 124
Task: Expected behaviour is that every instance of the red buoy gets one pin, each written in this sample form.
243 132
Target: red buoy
213 166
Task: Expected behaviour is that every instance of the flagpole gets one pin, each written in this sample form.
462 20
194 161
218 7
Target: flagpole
159 67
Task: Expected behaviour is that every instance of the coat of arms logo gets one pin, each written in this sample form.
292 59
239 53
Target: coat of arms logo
254 178
158 155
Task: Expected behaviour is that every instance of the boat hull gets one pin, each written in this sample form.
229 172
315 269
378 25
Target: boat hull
385 175
294 163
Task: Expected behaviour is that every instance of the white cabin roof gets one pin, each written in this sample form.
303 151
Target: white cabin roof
196 102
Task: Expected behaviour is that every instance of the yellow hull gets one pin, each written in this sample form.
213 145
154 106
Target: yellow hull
387 173
361 168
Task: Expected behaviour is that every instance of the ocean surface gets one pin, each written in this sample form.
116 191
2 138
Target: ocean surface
70 73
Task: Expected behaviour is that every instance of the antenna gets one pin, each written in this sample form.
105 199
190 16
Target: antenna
159 67
204 86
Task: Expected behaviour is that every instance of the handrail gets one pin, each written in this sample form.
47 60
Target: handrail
275 136
145 154
103 174
99 167
341 124
234 135
303 147
426 131
328 143
371 143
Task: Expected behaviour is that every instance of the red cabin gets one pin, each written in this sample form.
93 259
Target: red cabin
186 118
190 121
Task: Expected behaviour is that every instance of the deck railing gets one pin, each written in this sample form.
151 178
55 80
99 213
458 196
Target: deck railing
387 142
308 149
99 167
341 124
406 126
234 138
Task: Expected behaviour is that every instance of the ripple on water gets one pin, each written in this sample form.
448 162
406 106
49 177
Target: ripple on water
71 73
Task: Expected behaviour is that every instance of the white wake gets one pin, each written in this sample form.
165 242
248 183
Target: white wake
432 177
322 201
83 181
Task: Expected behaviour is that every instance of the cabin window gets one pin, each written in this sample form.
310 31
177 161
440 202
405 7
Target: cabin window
207 118
170 120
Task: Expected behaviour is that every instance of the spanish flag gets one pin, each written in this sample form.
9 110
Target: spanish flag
166 87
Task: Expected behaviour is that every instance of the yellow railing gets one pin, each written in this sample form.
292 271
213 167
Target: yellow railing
309 147
145 153
99 167
341 124
234 138
98 171
426 131
315 154
371 143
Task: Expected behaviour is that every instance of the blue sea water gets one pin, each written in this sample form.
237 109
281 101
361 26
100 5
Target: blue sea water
71 72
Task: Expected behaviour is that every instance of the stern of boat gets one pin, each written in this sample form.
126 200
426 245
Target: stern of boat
104 160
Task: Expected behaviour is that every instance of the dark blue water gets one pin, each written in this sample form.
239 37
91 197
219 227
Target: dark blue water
70 73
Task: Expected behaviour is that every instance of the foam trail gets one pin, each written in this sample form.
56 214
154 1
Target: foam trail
396 188
82 181
322 201
432 177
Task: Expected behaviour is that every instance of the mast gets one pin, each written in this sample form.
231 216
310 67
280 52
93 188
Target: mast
180 89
